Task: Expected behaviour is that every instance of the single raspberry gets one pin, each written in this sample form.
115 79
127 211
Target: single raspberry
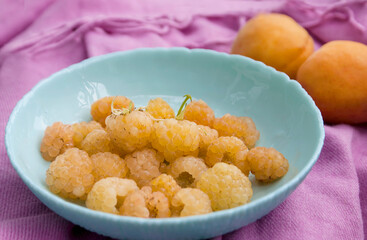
129 132
143 203
175 138
254 135
165 184
207 136
229 150
144 165
242 127
158 205
60 137
101 108
200 113
160 109
135 205
191 201
82 129
107 194
70 175
267 164
226 186
187 170
56 140
108 165
96 141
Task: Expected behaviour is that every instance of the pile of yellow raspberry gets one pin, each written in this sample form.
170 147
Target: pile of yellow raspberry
146 162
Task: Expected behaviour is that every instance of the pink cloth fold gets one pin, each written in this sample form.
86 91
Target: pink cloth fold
39 38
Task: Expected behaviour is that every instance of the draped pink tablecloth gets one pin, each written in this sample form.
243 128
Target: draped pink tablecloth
38 38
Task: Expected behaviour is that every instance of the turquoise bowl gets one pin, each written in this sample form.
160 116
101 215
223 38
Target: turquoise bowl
284 113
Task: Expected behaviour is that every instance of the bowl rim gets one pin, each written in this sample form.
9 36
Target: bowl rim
39 190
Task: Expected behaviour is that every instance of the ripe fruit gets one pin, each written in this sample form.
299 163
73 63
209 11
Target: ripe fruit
267 164
129 132
144 165
229 150
242 127
96 141
56 140
70 175
192 201
107 164
108 193
145 203
101 108
226 186
176 138
200 113
336 78
165 184
160 109
207 136
276 40
187 170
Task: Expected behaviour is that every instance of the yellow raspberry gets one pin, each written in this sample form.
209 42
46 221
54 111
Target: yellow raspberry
144 165
108 165
242 127
226 186
145 203
135 205
60 137
191 201
56 140
158 205
229 150
107 194
175 138
207 136
160 109
82 129
187 170
200 113
129 132
70 175
267 164
96 141
101 108
165 184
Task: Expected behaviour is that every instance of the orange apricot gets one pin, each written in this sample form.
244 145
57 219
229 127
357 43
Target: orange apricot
276 40
336 78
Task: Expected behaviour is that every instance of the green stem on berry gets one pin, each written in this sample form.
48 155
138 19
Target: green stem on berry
181 111
122 111
130 106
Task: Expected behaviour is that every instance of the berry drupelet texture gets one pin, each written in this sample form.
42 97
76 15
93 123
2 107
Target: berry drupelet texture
226 186
267 164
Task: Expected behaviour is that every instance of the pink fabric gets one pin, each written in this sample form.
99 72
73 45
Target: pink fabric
38 38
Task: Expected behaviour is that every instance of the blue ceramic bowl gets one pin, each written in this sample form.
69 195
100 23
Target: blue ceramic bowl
285 115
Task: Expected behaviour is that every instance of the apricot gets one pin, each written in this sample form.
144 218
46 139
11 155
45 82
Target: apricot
276 40
335 76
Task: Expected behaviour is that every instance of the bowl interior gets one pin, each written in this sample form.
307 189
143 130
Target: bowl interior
284 114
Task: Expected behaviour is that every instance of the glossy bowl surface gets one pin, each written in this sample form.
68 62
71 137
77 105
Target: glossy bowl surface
284 113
